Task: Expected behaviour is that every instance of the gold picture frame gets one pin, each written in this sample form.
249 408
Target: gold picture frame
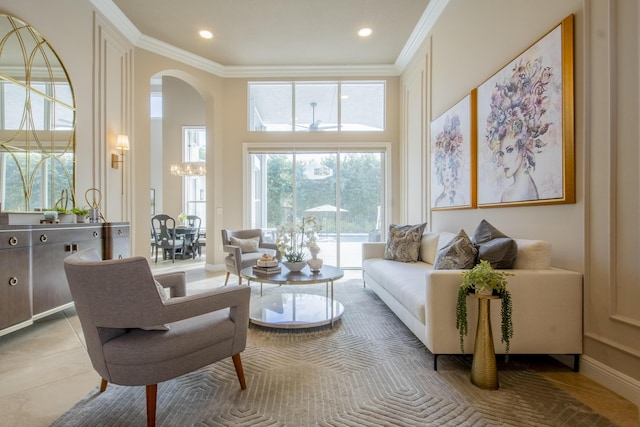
525 126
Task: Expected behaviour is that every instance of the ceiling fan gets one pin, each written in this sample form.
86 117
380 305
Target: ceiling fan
315 124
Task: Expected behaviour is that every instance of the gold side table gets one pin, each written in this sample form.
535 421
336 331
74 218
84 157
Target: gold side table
484 373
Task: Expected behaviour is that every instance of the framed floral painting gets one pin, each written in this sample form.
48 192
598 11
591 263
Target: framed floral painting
452 158
525 126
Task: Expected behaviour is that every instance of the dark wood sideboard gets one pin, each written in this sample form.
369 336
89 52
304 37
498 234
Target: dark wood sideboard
32 280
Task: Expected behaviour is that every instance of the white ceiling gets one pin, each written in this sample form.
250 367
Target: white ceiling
278 34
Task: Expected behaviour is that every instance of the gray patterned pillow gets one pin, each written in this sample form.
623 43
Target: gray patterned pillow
403 242
494 246
458 254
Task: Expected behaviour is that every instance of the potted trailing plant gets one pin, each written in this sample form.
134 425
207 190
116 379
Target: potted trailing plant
290 240
80 213
484 279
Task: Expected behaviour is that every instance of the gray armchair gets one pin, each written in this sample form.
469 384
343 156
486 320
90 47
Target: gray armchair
242 257
135 336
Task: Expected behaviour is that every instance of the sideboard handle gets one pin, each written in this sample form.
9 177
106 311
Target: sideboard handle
95 234
43 238
120 232
13 240
13 281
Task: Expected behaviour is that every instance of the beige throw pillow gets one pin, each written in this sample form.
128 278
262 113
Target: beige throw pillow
246 245
429 247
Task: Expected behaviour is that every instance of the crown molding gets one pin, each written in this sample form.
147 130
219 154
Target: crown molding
420 32
114 15
118 19
180 55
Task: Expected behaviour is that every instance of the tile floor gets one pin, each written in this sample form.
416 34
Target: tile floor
44 369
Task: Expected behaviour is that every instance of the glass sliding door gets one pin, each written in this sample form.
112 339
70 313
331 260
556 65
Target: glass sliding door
344 190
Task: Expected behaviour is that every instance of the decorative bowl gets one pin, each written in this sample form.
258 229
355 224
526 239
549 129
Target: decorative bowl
294 266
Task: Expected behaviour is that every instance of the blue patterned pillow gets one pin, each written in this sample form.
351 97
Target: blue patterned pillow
458 254
403 242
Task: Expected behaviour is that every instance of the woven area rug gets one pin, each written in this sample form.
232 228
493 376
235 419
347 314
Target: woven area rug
368 370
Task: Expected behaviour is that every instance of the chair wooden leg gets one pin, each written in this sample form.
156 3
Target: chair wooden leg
103 385
237 363
227 278
239 280
152 392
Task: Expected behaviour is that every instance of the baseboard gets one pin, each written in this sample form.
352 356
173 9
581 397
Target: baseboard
214 267
622 384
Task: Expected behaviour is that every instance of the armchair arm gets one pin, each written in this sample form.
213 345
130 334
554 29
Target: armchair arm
235 298
176 282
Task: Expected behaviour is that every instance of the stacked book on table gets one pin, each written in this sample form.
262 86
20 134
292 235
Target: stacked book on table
267 268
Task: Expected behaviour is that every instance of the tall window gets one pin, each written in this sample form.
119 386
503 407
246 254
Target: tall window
316 106
194 143
344 190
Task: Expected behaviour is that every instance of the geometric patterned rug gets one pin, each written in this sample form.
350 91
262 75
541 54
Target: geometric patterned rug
368 370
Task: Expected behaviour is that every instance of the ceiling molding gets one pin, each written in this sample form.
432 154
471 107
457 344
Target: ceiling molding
180 55
118 19
420 32
112 13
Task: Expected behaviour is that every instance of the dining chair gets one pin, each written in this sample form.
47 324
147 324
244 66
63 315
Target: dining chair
164 231
137 335
194 221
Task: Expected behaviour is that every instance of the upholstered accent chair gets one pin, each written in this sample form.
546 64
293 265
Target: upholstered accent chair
137 335
244 248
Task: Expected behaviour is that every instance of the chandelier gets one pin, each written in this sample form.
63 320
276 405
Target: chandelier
189 169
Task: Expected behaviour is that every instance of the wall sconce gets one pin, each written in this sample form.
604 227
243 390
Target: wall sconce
122 142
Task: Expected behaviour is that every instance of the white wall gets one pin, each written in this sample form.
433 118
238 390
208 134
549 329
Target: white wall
599 234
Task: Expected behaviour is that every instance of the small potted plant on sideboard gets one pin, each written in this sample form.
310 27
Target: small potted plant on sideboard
80 213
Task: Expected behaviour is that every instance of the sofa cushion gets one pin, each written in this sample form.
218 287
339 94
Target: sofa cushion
249 245
459 253
494 246
533 255
429 247
405 281
403 242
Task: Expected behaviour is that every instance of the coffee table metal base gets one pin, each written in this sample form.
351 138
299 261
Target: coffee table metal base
294 310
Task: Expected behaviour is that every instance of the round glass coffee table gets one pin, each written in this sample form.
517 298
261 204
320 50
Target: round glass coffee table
295 310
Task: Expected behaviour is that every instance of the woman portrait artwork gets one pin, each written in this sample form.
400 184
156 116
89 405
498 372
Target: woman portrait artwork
520 151
450 158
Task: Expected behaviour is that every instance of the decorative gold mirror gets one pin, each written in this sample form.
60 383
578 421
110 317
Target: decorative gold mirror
37 122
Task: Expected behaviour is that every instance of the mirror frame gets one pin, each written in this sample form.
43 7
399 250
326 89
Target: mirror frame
32 70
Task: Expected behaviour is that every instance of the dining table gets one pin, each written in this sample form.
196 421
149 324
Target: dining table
188 235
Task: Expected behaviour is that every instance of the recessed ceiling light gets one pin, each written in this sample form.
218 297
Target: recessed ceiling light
364 32
205 34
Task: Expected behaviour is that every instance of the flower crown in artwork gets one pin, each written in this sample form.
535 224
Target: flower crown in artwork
518 105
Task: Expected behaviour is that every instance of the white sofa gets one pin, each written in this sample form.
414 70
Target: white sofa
547 301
